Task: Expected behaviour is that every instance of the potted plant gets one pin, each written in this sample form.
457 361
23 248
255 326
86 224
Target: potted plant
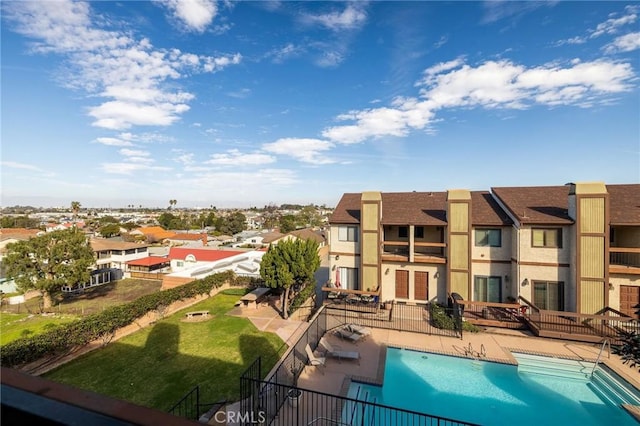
294 394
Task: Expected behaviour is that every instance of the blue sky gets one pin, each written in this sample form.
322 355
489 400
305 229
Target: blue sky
239 104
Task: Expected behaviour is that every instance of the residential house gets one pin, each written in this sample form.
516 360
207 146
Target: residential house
152 233
189 264
114 254
187 239
569 248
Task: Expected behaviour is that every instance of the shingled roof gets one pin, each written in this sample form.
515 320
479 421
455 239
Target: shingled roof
421 208
546 205
624 204
347 210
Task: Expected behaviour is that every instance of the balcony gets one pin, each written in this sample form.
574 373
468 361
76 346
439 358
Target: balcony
624 260
398 251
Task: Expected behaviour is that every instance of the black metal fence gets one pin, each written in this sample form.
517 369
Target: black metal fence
281 404
277 399
189 406
391 316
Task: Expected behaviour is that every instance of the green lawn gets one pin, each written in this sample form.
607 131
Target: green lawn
14 326
92 300
156 366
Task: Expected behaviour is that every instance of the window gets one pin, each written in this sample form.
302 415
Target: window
349 278
548 295
487 289
488 238
419 232
179 263
403 231
348 233
546 237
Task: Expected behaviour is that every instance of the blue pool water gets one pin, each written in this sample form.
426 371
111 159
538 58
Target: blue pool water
540 391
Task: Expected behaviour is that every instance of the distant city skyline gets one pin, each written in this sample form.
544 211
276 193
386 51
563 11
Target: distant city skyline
249 103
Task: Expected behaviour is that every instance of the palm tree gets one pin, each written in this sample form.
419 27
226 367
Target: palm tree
75 208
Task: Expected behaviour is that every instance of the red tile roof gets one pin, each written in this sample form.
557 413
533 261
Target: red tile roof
149 261
201 254
624 204
546 205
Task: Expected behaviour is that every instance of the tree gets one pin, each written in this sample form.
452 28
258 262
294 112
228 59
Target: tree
287 223
75 208
232 223
48 262
172 203
110 230
290 264
309 217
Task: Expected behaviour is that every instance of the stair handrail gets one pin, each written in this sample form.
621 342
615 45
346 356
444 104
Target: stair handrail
605 343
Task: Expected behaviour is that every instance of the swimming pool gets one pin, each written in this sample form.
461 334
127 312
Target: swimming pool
540 391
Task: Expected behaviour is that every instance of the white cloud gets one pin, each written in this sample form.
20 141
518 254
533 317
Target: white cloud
240 94
22 166
612 25
625 43
305 150
281 54
195 15
184 158
133 77
130 168
497 10
233 157
352 17
113 141
134 153
492 84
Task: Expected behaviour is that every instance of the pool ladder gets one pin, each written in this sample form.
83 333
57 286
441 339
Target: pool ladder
605 343
469 351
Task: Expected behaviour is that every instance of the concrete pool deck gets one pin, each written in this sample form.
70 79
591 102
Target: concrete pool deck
498 345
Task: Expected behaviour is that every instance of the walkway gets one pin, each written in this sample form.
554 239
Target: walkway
267 318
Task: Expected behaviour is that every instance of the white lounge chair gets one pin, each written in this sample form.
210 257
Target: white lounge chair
347 334
315 361
337 352
354 328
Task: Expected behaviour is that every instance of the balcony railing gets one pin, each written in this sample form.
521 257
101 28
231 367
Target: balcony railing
625 257
423 252
607 323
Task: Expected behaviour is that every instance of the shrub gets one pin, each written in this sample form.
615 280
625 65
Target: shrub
64 338
629 351
440 319
307 291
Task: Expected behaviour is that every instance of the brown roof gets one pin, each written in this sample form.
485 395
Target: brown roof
537 204
347 210
414 208
269 237
101 244
308 234
624 204
485 210
421 208
18 233
183 236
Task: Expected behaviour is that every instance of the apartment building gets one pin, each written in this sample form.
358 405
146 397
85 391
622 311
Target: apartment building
573 247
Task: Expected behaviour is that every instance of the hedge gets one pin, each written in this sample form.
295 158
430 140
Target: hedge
442 320
64 338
